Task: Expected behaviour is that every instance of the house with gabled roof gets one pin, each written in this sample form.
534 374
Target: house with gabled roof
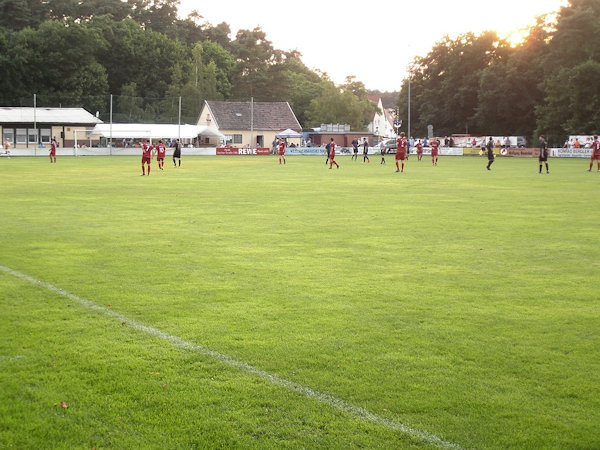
382 122
248 124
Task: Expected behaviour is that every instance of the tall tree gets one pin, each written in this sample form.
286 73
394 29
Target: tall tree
445 83
135 54
129 107
576 37
18 14
224 62
155 15
59 59
571 62
303 85
510 90
254 55
339 105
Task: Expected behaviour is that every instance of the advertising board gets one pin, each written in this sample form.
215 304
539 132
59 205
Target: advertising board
571 152
242 151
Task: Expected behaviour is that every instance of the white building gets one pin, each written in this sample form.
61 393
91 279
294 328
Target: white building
33 127
382 123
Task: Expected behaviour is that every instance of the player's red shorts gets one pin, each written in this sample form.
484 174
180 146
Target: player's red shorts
596 155
160 158
281 152
401 155
419 152
434 152
52 152
146 160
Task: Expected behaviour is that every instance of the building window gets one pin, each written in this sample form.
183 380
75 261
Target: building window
8 135
21 136
45 135
233 138
32 136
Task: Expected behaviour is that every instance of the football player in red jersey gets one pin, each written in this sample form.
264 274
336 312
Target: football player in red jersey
53 151
419 150
161 150
332 154
401 147
435 144
281 150
595 154
147 148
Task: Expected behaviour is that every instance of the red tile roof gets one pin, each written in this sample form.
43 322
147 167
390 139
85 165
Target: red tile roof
274 116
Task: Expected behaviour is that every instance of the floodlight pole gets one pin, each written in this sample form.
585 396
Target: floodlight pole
251 121
34 120
110 134
408 125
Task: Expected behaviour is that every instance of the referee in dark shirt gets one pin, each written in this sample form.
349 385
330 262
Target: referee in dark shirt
490 152
543 156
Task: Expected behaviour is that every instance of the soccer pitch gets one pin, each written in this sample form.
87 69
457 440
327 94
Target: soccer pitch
234 302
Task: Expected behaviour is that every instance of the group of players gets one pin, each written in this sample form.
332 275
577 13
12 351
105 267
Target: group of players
148 151
402 152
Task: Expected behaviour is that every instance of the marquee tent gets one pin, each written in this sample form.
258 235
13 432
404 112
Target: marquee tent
288 134
153 130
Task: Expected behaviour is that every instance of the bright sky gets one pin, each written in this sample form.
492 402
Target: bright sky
376 41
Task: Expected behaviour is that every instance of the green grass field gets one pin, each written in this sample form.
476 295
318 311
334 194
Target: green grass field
236 303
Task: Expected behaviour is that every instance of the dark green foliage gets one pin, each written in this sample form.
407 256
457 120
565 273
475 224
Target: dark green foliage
77 53
481 85
73 53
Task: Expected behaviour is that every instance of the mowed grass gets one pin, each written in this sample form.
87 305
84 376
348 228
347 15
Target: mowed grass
454 300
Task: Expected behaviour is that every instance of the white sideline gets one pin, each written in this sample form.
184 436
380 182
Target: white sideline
335 402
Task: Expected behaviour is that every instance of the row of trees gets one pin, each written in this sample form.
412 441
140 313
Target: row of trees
74 53
549 84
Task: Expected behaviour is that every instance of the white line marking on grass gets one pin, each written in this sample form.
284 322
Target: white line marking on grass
11 358
335 402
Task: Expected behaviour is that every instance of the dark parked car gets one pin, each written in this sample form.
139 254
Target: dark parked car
390 145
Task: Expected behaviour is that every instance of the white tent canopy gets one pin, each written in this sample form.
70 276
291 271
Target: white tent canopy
153 130
288 134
